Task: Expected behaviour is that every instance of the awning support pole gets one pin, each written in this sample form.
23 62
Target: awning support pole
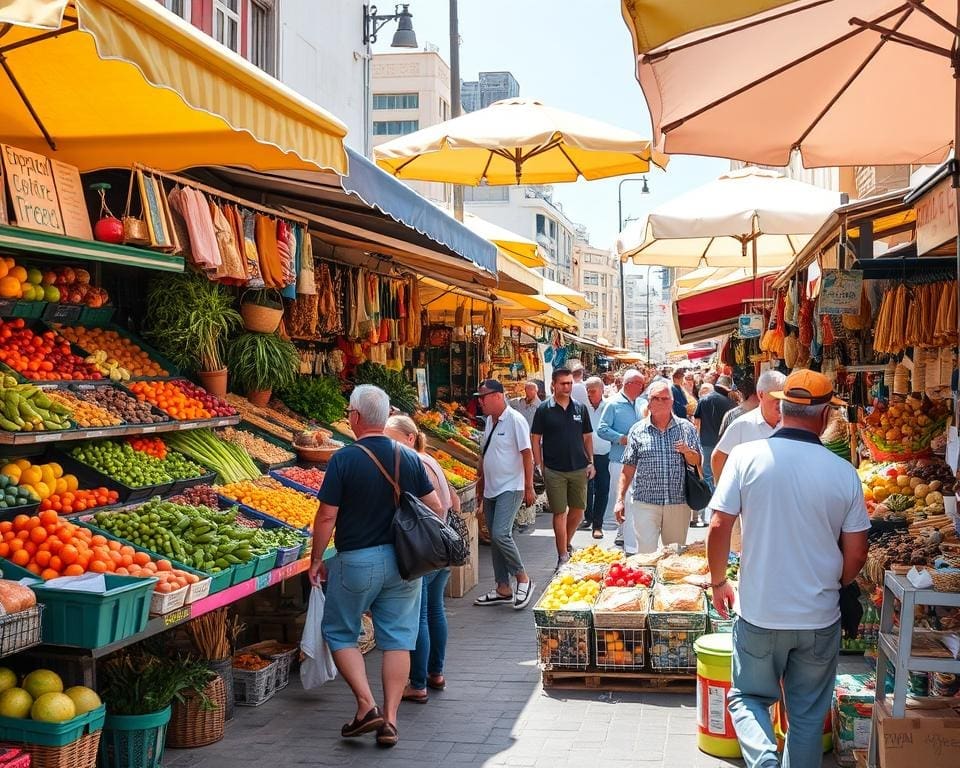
26 102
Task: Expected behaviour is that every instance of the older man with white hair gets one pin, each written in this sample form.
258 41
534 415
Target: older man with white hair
357 501
654 466
619 414
528 404
598 489
757 424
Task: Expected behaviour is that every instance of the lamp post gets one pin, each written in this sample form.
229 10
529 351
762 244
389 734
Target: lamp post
645 190
404 37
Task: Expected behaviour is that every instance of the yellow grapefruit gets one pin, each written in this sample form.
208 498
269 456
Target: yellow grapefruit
15 702
53 708
8 679
42 681
84 699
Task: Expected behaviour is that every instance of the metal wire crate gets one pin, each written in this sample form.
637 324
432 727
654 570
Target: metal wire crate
563 647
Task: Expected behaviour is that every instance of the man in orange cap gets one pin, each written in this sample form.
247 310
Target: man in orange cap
804 537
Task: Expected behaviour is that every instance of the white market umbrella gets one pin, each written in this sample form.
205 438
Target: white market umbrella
751 217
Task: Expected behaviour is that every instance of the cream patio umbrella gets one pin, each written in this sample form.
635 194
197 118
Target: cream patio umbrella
517 141
752 217
519 248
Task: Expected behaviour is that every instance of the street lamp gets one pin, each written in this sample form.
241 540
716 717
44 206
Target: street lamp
644 190
404 37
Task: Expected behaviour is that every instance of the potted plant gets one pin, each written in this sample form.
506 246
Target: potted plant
261 363
189 318
261 312
139 689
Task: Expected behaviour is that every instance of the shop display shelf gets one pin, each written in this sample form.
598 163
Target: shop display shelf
93 478
52 734
154 411
273 440
21 630
154 355
90 619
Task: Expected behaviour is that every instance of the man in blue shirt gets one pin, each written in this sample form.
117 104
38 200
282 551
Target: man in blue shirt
679 397
620 413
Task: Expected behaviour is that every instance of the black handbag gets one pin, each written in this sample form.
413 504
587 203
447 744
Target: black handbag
461 552
422 541
695 489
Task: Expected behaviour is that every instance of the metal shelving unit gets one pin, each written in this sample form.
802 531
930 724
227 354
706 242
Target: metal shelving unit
33 438
890 642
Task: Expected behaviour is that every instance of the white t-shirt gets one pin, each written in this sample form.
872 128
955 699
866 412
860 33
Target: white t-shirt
502 463
749 426
794 498
579 393
601 447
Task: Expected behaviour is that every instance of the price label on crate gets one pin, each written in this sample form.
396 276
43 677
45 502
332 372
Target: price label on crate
263 581
96 433
175 617
145 430
47 437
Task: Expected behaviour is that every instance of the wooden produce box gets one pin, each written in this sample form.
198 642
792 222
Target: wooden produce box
463 578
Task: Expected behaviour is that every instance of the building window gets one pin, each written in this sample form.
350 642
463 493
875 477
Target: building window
179 7
262 46
444 111
396 101
590 278
498 194
226 23
395 127
541 224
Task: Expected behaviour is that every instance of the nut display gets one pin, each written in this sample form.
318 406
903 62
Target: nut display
121 404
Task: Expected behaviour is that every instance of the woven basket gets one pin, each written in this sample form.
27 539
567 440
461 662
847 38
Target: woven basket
81 753
193 726
945 580
260 319
316 455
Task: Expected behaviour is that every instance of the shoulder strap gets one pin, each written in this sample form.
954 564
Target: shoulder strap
393 481
493 426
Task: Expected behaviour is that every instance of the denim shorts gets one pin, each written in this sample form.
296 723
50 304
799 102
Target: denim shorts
368 580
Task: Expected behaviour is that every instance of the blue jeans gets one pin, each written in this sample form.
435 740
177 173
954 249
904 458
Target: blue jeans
500 513
431 648
598 491
805 662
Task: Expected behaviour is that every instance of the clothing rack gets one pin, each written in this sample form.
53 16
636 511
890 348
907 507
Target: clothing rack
221 195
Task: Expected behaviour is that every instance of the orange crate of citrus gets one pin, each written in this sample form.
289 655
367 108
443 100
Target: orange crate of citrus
125 351
170 399
292 507
49 547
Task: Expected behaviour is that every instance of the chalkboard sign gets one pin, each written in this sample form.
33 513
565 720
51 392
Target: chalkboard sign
73 206
62 313
33 190
153 211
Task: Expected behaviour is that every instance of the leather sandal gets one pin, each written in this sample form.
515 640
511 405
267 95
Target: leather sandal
415 695
371 721
387 735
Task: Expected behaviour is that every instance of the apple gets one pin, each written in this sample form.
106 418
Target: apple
49 278
82 276
51 293
68 276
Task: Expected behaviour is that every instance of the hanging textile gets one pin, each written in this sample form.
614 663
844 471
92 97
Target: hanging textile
289 290
306 277
236 225
192 205
231 268
250 252
268 247
414 324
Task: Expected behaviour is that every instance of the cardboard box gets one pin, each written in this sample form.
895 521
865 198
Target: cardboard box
463 578
925 737
851 712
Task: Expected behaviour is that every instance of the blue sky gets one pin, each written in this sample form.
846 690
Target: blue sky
575 56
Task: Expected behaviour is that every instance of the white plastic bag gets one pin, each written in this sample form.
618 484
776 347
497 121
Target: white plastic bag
317 666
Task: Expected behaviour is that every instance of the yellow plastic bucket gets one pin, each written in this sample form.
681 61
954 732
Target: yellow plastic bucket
715 734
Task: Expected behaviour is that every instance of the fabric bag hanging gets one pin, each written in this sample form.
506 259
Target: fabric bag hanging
317 666
421 540
135 230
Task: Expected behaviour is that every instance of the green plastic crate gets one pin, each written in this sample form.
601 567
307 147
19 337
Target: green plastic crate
264 563
29 310
243 571
96 317
91 620
220 581
52 734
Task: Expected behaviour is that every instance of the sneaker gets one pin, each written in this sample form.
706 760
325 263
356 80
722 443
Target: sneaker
523 528
523 595
618 542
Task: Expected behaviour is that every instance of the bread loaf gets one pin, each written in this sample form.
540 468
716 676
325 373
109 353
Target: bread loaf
678 597
15 597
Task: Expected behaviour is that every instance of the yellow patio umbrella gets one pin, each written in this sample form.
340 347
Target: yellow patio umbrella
517 141
516 278
519 248
568 297
107 83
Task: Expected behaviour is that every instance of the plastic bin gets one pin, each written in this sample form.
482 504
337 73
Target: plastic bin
89 477
264 563
164 602
91 620
9 513
134 741
179 486
273 439
243 571
52 734
287 555
96 317
256 514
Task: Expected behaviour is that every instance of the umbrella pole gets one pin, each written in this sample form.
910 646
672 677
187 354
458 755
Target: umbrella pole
26 103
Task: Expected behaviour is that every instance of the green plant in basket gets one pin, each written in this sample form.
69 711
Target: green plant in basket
136 682
262 298
260 361
402 393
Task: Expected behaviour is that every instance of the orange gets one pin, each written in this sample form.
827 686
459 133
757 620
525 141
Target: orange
56 563
21 557
10 288
20 522
42 558
73 570
98 566
4 269
48 574
46 518
19 273
69 554
38 534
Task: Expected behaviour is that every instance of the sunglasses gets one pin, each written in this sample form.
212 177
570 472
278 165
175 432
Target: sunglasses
665 397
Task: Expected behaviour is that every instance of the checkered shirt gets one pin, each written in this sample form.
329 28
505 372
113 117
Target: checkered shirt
659 476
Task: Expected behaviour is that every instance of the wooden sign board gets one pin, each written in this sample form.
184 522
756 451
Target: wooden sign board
936 217
33 190
3 198
73 206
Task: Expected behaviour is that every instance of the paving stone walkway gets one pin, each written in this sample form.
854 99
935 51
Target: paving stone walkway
494 711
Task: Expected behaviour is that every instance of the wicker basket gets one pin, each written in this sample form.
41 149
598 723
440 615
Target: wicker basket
945 580
81 753
193 726
260 319
281 653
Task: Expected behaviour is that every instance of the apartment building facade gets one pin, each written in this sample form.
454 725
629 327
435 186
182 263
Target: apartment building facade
486 89
596 274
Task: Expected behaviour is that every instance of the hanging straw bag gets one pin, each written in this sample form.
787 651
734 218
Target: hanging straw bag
135 230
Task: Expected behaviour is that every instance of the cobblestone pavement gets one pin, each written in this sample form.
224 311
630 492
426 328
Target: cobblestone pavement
494 711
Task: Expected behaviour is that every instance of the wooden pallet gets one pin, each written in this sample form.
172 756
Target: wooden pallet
641 682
